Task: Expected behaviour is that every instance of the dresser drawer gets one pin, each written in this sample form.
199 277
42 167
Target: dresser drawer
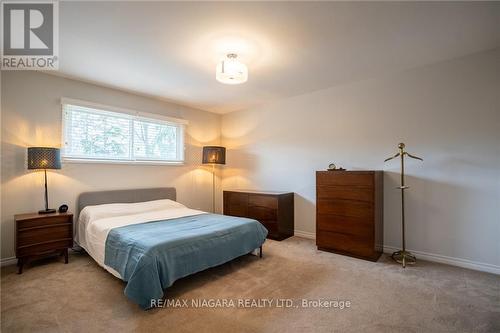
271 226
43 221
356 245
41 248
236 198
235 204
44 234
236 210
262 213
359 193
345 225
345 178
345 208
263 201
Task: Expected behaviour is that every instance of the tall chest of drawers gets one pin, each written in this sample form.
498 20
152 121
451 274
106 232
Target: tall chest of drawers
349 213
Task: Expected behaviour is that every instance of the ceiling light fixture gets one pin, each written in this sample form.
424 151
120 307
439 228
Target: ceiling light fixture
231 71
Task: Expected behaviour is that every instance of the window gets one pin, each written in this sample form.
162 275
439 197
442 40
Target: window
99 133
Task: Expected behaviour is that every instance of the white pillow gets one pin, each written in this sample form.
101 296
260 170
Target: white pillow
91 213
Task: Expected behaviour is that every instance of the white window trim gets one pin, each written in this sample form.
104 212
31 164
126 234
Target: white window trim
133 113
72 160
136 113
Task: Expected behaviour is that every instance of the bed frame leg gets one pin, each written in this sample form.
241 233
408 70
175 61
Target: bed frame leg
260 251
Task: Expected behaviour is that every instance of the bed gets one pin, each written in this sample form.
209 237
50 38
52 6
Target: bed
147 239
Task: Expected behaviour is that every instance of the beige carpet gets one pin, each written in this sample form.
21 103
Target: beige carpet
81 297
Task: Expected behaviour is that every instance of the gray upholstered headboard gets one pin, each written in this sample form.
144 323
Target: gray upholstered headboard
124 196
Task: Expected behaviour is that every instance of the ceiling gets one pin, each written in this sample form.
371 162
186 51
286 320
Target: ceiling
170 50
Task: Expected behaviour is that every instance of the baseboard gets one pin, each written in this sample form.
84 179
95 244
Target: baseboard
478 266
304 234
8 261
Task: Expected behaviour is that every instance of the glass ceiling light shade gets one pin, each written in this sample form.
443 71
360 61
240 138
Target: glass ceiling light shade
231 71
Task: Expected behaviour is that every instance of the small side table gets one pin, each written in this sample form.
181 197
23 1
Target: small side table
39 235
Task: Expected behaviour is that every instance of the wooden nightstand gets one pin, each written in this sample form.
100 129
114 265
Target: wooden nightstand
38 235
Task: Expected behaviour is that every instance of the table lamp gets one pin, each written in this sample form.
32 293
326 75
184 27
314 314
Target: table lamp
214 155
43 158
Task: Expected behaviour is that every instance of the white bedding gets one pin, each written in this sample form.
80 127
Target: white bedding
95 222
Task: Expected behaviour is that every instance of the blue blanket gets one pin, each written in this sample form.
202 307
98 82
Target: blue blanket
151 256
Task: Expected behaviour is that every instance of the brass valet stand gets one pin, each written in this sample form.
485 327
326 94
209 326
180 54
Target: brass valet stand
403 257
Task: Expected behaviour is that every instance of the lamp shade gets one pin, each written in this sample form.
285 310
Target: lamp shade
214 155
44 158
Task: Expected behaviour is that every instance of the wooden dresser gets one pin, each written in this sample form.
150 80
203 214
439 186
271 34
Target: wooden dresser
349 213
38 235
273 209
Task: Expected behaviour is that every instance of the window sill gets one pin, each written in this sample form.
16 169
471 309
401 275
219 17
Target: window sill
88 161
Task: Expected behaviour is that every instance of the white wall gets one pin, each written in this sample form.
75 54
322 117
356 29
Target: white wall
448 113
31 115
